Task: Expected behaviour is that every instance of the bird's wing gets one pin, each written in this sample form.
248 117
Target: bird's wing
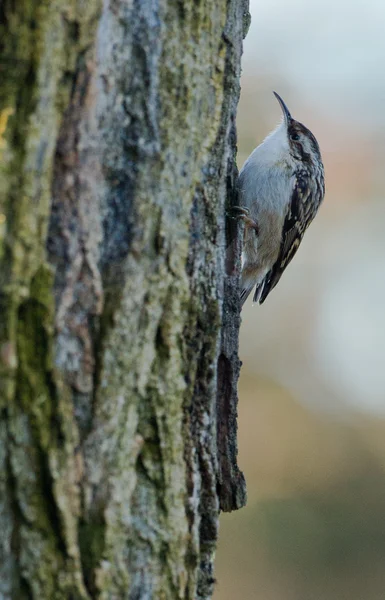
301 211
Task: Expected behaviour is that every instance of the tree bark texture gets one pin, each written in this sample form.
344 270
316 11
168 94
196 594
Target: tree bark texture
119 309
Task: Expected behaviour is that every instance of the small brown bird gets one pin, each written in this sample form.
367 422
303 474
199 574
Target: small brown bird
280 187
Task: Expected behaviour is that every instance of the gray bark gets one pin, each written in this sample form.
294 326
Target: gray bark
119 309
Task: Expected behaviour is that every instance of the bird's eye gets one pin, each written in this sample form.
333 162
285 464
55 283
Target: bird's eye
294 137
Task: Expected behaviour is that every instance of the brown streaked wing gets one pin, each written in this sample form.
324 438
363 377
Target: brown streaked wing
301 211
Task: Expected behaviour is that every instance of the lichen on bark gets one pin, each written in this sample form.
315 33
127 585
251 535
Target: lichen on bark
117 158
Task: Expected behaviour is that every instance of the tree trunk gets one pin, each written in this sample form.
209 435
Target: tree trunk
119 314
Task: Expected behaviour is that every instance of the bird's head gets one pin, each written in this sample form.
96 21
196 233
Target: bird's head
302 144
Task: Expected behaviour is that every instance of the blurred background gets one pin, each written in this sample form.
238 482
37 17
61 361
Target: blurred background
312 390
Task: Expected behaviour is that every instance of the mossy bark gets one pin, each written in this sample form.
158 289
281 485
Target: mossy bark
119 310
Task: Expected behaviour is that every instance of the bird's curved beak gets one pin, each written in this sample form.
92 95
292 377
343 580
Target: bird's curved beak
285 110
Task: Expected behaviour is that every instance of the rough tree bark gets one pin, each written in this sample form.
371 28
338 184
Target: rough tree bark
119 315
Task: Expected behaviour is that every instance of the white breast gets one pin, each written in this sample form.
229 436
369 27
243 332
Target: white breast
266 179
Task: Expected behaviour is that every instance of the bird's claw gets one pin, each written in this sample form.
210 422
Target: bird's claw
243 213
240 211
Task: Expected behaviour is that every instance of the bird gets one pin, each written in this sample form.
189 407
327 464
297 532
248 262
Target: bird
280 189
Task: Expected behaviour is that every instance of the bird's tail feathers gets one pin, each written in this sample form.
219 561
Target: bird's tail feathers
245 293
248 288
258 291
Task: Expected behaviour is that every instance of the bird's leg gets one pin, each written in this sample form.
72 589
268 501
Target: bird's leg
243 213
